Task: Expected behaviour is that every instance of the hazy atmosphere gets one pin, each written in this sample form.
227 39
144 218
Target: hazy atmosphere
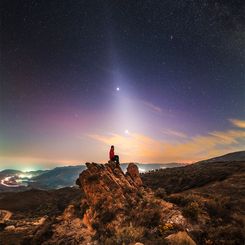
122 122
163 81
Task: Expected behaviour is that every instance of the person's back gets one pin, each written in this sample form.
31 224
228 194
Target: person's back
112 155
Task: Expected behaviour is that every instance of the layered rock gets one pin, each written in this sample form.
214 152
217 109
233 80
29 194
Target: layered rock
109 195
117 205
107 183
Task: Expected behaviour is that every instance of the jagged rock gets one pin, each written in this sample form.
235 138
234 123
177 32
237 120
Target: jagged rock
133 172
107 193
178 238
106 184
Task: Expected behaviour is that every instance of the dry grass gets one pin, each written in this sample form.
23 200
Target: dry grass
210 195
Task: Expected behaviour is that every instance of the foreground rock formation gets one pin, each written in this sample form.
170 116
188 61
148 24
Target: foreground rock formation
114 208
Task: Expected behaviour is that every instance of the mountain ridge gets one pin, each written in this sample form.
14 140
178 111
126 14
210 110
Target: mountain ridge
232 156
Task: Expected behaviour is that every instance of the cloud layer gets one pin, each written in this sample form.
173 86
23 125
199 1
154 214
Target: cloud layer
139 147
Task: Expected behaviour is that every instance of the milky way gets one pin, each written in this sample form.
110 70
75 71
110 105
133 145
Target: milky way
161 80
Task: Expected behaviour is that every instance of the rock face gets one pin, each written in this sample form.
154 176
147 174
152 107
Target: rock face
133 172
106 184
108 195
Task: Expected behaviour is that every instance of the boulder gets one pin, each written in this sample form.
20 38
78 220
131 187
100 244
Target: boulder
133 172
178 238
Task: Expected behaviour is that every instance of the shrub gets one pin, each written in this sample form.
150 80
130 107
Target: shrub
179 200
129 234
109 241
139 194
166 229
93 178
107 217
99 204
83 208
150 218
95 226
160 193
228 234
218 208
191 210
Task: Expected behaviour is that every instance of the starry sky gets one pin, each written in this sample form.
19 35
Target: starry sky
162 80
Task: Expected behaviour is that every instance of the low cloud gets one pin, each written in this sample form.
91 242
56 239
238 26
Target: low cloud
238 123
152 107
142 148
174 133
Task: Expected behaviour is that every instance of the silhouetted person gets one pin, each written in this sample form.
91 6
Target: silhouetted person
113 157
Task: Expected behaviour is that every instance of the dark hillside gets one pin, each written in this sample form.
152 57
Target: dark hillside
58 177
233 156
38 202
210 194
218 208
196 175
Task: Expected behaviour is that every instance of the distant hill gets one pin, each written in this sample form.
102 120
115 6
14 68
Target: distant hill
58 177
234 156
16 180
10 172
145 167
195 175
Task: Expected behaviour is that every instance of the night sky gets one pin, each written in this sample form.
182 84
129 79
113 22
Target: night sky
162 80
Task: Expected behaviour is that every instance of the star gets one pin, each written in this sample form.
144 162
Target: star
118 89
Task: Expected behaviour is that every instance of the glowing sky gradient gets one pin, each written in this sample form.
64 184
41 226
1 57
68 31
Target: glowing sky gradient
163 81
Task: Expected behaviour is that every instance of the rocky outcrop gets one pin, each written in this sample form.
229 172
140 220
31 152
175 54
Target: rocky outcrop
133 173
108 195
117 207
106 184
179 238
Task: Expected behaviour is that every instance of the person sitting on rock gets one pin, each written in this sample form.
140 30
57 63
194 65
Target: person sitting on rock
112 156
